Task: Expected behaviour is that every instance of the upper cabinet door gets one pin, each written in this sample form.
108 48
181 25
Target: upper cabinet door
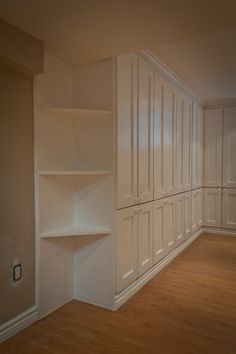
197 147
168 138
145 237
158 136
187 142
229 147
145 132
126 247
126 130
212 148
178 144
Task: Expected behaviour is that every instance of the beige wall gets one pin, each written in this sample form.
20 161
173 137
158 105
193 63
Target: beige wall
16 193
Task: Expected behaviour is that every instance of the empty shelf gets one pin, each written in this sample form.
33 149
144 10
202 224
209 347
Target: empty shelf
76 231
71 173
77 113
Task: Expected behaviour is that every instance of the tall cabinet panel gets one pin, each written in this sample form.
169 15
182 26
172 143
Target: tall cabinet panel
229 147
126 130
187 138
212 148
145 132
168 139
126 247
178 146
197 147
158 136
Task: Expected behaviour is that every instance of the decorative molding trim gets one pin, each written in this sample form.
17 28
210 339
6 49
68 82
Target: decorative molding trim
18 323
219 231
220 104
138 284
166 71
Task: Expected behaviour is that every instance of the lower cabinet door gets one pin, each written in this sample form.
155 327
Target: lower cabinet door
187 214
158 235
194 210
179 218
126 247
212 207
169 224
229 208
145 237
200 208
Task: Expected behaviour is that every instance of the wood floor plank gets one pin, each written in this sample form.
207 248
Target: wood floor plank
188 308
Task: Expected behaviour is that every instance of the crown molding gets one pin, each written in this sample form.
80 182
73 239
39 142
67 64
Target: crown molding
166 71
220 104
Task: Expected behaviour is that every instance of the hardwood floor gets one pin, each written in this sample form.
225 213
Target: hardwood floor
188 308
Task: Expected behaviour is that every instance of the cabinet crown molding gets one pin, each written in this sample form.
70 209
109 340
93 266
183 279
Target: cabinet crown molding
221 104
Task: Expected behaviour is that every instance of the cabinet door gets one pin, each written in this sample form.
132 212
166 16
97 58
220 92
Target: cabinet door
126 247
145 132
199 208
229 208
197 147
158 136
178 168
212 148
168 139
187 214
169 224
126 130
145 237
194 211
179 218
229 147
159 246
212 207
187 128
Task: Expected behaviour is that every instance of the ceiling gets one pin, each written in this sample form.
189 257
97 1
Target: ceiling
196 38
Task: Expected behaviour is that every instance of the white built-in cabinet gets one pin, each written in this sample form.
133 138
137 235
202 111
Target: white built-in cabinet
212 207
187 214
212 148
179 218
187 142
197 147
197 209
229 208
229 148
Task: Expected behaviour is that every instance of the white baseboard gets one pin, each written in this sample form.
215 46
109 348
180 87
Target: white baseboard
219 231
18 323
121 298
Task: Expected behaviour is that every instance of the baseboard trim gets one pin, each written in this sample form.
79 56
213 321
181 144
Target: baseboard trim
121 298
219 231
18 323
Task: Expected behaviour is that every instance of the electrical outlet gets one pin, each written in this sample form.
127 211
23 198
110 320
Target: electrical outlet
17 272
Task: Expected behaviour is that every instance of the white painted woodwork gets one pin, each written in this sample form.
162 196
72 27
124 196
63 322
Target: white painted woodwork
187 141
145 237
197 147
187 214
126 247
158 235
168 138
197 209
145 132
158 136
179 218
169 224
212 207
126 172
194 210
229 208
178 144
229 147
212 148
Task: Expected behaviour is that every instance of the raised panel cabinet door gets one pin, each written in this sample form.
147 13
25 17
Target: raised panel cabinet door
158 136
200 147
179 219
197 147
169 224
126 247
229 208
200 208
168 138
187 138
187 214
126 181
229 147
145 131
145 237
178 144
212 147
212 207
194 211
158 235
